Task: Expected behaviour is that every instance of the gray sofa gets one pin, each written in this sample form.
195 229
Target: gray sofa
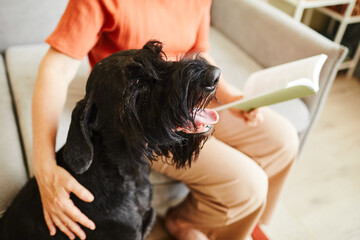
246 35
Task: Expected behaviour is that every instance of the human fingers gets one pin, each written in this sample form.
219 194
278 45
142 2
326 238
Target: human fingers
72 225
72 185
57 213
63 227
50 201
62 213
49 223
76 215
55 195
253 117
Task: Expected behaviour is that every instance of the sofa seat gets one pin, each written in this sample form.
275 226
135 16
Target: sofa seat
12 168
23 61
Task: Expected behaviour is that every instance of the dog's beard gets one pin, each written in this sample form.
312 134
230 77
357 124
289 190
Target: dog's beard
188 150
194 132
185 151
190 139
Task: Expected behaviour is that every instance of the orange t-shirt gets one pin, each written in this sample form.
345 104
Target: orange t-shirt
101 27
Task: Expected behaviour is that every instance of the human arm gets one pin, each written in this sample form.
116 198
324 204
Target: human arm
55 184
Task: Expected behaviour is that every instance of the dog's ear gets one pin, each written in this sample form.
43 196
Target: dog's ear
154 46
79 151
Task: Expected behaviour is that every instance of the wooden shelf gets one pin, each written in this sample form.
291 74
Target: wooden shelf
344 19
333 14
317 3
345 65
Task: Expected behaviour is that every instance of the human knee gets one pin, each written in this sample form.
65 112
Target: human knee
288 144
247 193
283 147
256 188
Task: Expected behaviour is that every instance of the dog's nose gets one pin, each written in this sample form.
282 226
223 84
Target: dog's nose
216 75
213 77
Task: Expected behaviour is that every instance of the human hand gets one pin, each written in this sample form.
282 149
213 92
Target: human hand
252 118
59 210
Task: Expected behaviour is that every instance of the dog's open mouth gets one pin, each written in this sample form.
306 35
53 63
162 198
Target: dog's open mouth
204 119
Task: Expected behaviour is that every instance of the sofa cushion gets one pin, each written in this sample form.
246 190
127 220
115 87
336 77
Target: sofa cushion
236 66
12 168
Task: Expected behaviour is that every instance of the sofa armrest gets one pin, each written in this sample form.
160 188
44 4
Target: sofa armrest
25 22
271 37
267 34
12 166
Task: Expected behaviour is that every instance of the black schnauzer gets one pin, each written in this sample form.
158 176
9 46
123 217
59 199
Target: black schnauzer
137 107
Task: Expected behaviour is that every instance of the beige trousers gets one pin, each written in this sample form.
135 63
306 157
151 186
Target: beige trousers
237 179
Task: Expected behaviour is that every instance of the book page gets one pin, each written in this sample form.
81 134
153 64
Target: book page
301 72
281 83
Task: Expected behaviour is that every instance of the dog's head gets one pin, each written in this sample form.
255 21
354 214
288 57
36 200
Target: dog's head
144 106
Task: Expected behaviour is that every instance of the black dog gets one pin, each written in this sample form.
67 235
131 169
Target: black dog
137 107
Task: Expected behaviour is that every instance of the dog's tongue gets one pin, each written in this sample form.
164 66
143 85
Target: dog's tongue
206 117
203 118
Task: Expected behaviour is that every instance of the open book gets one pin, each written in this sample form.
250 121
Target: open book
280 83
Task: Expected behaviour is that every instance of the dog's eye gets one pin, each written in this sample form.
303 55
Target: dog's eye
143 80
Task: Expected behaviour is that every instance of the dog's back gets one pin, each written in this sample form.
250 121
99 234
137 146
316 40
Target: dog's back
115 209
24 219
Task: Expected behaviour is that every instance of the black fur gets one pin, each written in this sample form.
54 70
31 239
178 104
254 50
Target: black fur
135 100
